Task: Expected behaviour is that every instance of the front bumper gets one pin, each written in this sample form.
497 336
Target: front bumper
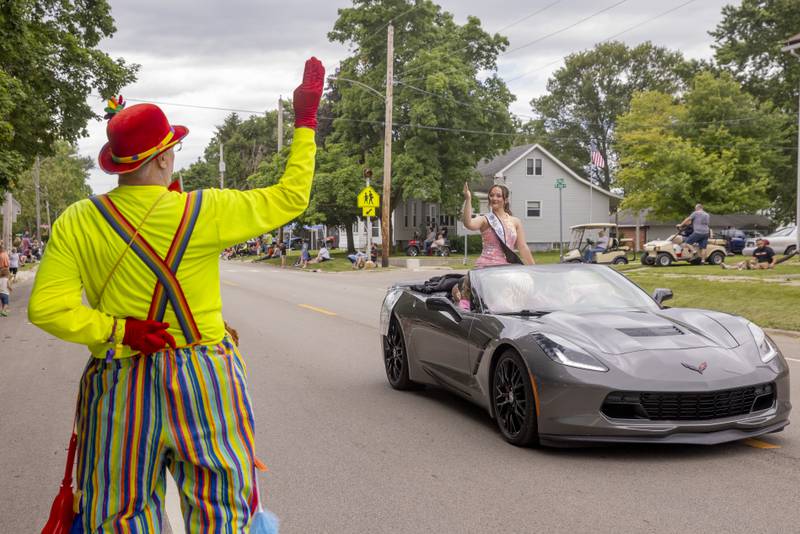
571 409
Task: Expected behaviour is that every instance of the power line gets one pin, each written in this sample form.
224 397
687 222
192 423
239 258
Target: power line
626 30
565 28
426 127
514 23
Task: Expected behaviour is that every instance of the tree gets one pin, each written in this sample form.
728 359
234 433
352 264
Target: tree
716 146
749 39
437 96
63 179
593 88
49 64
246 144
748 42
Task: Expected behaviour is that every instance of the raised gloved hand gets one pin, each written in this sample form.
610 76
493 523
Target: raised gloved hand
147 337
307 95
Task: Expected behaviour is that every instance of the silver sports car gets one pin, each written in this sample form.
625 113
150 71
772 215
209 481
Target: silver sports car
567 354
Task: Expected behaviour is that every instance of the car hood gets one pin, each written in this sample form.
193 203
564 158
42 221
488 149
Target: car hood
624 332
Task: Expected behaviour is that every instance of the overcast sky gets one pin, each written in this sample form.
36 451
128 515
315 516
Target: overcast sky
244 54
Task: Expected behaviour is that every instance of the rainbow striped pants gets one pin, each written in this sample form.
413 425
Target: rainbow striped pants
187 411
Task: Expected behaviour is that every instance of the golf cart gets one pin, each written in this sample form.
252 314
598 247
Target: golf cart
586 235
663 253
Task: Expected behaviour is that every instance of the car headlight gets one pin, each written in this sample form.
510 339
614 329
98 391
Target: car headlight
565 352
766 350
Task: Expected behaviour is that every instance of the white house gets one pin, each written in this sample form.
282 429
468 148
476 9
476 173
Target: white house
530 172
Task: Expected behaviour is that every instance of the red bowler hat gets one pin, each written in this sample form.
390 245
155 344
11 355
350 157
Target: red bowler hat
135 136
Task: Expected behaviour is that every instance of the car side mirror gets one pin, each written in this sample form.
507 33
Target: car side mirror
660 294
443 305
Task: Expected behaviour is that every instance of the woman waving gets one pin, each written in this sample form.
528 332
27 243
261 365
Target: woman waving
500 231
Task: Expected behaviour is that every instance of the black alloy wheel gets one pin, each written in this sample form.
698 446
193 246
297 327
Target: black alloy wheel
513 400
789 250
395 358
412 251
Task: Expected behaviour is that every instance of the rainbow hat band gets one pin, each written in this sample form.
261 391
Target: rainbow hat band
135 136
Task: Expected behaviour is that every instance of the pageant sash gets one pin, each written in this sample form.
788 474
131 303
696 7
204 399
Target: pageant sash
500 233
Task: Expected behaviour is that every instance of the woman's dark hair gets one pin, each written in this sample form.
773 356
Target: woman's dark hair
504 192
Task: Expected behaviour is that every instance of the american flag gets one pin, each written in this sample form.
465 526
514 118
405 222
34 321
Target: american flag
597 157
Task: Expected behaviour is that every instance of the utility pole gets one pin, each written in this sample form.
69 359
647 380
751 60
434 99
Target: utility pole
38 200
387 148
47 211
280 147
221 165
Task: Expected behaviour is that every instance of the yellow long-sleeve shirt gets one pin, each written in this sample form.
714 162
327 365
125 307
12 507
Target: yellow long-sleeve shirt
83 249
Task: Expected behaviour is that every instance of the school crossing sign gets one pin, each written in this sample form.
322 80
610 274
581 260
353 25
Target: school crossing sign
369 200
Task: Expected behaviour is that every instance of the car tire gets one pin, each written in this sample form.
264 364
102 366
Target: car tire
789 250
716 258
663 259
412 251
513 401
696 261
445 251
620 260
647 259
395 358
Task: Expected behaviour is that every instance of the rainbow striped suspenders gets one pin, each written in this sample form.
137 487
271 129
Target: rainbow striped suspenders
167 286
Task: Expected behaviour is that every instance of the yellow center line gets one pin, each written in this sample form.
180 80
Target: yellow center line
758 444
233 284
319 310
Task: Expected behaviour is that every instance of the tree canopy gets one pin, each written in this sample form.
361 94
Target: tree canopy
748 42
716 146
49 64
438 95
593 88
62 181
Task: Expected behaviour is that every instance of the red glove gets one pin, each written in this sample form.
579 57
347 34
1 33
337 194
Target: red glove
147 337
307 95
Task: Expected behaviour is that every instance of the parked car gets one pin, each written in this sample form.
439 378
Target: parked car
783 241
735 239
296 243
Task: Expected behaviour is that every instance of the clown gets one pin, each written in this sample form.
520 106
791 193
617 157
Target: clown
165 388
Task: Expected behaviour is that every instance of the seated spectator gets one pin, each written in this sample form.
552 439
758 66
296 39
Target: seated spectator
322 255
763 258
357 259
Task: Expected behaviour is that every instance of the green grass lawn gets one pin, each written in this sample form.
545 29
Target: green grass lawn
768 298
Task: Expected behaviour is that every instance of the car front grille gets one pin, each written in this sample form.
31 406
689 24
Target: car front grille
684 406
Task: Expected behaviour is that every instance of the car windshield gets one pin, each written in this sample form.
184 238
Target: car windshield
557 288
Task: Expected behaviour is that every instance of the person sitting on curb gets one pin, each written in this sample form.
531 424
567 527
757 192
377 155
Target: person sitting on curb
322 255
763 258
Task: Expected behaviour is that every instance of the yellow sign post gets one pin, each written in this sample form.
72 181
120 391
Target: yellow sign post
368 198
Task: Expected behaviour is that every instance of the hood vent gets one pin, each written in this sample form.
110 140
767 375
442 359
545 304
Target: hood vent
656 331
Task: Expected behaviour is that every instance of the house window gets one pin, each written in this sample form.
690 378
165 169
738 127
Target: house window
376 228
405 215
534 208
534 167
414 213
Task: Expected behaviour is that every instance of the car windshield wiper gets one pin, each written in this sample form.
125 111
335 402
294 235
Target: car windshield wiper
526 313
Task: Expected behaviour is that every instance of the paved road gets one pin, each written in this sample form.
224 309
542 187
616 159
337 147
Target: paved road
349 454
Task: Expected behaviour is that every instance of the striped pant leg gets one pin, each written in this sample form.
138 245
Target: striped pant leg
207 410
120 472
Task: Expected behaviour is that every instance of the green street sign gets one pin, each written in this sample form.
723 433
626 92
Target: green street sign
560 184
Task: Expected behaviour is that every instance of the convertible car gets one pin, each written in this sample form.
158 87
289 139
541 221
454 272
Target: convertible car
573 354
